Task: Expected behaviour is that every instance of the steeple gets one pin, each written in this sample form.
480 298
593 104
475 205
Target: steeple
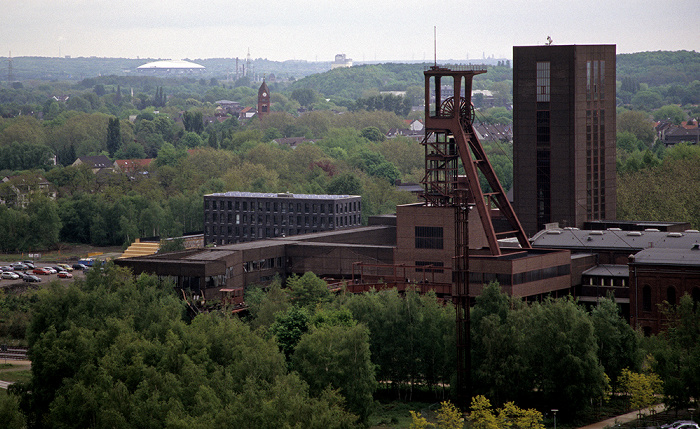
263 100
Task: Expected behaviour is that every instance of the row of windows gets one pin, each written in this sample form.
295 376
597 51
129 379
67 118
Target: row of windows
267 219
274 206
262 264
428 237
671 296
520 278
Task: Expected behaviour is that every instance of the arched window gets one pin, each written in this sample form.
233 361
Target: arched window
696 297
646 298
671 295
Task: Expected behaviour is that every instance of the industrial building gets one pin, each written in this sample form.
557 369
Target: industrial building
237 217
564 135
461 236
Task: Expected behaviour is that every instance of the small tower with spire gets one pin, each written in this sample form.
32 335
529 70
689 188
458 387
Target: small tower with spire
263 100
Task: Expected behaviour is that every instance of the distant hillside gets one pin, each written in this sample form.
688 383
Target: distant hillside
354 81
660 67
76 69
654 68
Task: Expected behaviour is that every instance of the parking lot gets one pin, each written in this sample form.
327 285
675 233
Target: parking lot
42 275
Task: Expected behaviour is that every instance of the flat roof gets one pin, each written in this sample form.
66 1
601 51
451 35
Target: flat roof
278 195
608 270
613 239
661 256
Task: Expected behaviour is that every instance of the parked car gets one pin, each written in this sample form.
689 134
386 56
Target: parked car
79 267
65 275
18 266
30 265
681 424
22 275
51 270
31 279
65 267
42 271
57 268
6 268
9 275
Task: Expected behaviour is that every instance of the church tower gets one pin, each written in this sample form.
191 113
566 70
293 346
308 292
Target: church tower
263 100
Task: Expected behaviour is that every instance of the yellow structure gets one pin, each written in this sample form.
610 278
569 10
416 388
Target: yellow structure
138 248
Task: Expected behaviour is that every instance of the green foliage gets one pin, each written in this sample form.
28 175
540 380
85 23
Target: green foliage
114 351
373 134
411 338
672 112
10 413
637 123
114 138
509 416
549 348
307 290
673 354
618 344
640 388
289 328
338 357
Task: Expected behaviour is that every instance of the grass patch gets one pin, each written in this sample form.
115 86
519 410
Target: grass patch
22 376
396 415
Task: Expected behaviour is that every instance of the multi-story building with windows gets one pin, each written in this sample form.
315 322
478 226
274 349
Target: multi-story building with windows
563 135
236 217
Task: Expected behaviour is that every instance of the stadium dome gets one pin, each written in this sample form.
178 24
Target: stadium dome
174 66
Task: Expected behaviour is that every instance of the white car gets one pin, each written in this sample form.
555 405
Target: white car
10 275
51 270
681 424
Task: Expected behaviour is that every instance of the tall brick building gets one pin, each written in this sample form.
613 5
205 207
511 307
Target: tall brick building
563 134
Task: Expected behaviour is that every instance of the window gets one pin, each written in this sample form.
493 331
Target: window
646 298
671 295
543 81
428 237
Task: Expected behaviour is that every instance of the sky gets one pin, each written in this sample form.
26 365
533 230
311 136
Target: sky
317 30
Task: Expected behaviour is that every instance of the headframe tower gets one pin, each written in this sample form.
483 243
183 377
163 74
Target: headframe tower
450 143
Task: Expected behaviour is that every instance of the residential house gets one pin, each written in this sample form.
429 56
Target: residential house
97 164
16 190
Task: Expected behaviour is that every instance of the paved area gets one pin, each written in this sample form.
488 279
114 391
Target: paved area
613 421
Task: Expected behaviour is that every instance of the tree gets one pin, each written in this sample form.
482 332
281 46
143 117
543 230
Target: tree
373 134
338 357
304 96
307 290
448 416
114 138
114 351
562 353
641 389
345 184
289 328
638 123
618 344
672 112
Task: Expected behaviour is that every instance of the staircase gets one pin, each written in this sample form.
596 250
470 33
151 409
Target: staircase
139 248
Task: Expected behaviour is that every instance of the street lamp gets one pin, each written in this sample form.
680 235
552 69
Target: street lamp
554 410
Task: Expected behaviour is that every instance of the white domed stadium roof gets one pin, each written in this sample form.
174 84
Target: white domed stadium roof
173 65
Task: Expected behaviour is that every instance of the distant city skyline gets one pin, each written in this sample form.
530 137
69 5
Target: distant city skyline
364 30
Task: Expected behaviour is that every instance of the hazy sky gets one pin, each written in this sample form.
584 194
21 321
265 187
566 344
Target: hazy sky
316 30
